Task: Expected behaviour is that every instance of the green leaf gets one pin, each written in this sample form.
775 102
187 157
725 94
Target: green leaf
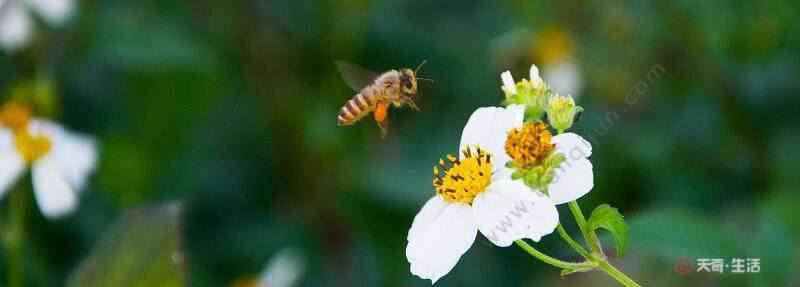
606 217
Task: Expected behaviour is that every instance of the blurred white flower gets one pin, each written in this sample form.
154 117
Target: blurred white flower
54 12
474 194
16 25
564 77
284 269
60 162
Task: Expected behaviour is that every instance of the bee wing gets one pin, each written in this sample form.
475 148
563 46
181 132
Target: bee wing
355 76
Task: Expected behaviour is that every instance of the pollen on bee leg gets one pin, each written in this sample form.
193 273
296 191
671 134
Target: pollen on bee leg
381 111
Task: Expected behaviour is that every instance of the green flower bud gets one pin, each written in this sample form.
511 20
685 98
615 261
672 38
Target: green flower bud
531 93
561 111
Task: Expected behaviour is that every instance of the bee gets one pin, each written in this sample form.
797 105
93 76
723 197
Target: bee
376 93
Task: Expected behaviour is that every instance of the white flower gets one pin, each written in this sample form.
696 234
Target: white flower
476 194
60 162
564 77
529 145
16 25
283 270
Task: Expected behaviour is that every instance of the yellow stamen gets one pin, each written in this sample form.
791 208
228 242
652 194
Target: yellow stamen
529 145
14 115
31 147
559 103
465 178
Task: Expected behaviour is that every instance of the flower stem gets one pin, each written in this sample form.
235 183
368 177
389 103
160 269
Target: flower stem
589 235
574 244
550 260
12 241
616 274
597 256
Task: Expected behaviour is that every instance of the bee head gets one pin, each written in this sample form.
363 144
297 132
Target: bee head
408 81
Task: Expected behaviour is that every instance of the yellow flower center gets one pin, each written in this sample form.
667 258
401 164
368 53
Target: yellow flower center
465 178
14 115
31 147
529 145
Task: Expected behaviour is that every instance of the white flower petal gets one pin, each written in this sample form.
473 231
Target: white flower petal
536 80
509 211
440 234
488 127
73 156
573 179
11 163
503 173
572 145
53 194
508 82
15 26
55 12
428 213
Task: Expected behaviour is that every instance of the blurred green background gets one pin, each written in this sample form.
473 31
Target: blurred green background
219 146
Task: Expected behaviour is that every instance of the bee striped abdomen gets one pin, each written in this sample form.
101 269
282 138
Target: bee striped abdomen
356 108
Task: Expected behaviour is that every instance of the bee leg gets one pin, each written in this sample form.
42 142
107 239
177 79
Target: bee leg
412 104
381 117
384 125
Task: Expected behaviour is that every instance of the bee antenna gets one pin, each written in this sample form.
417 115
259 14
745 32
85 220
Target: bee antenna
420 66
425 79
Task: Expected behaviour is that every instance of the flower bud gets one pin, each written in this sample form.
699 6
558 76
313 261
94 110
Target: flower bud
561 111
531 93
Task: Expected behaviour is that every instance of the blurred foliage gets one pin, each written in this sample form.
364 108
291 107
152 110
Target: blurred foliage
229 108
142 250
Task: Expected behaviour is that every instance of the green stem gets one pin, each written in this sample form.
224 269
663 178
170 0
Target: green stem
574 244
589 235
550 260
616 274
14 236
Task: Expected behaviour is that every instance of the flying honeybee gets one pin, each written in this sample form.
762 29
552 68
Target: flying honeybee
376 93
